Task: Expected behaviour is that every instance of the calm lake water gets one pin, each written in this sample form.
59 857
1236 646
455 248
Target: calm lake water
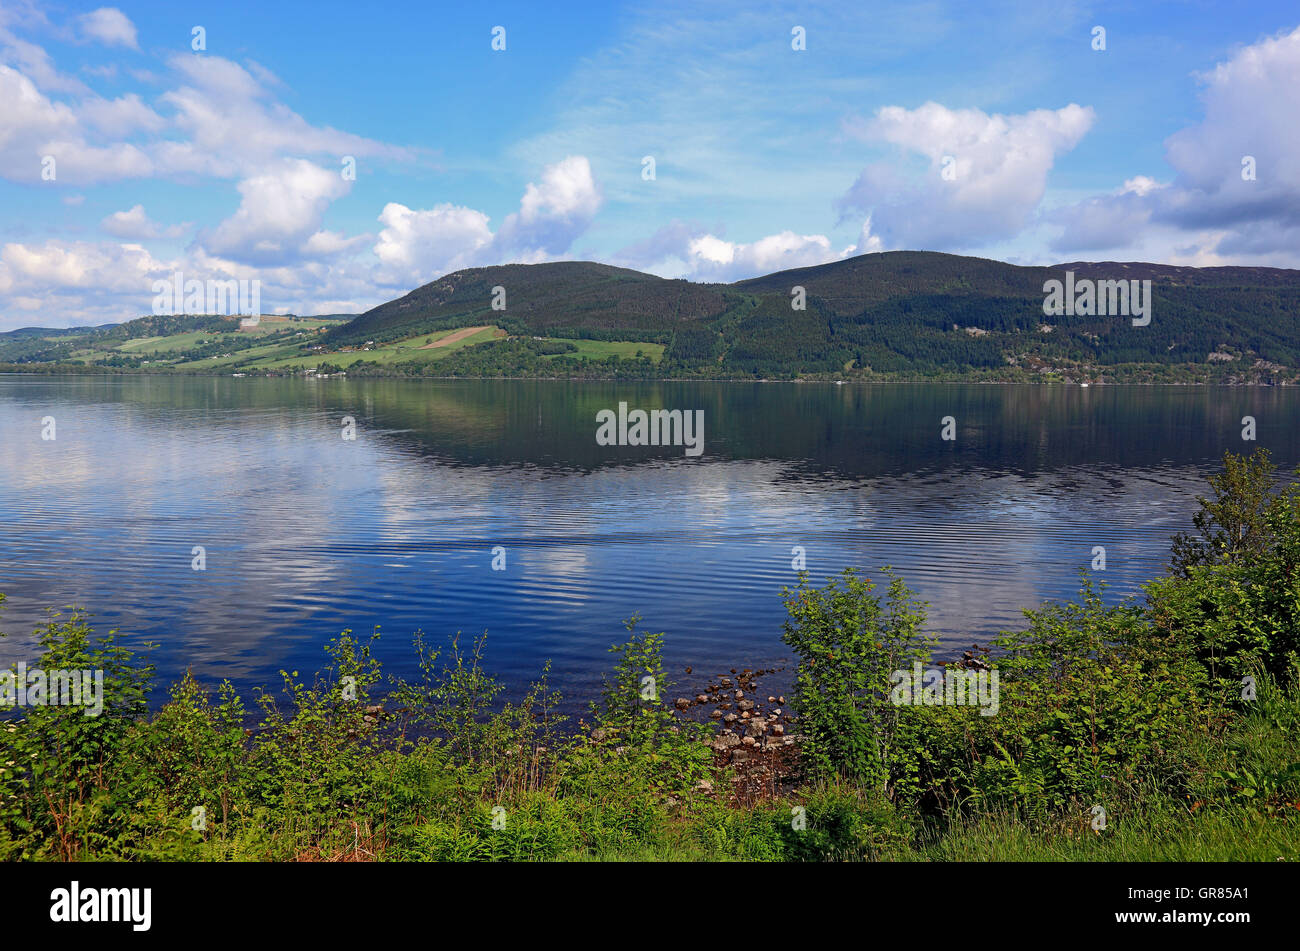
307 533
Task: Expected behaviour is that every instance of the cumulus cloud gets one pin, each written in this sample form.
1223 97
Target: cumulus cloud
1249 121
33 127
982 176
554 212
417 246
713 259
219 120
110 26
59 283
683 249
61 266
280 214
28 118
135 225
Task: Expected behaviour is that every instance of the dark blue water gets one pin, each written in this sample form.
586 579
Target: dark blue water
307 533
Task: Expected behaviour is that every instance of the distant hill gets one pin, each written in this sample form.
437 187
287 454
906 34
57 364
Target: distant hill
564 295
899 314
914 313
135 343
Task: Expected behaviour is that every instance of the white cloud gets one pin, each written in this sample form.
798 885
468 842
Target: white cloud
682 250
35 63
134 224
60 265
279 215
712 259
996 172
553 213
220 121
110 26
1140 185
1209 211
417 246
28 117
120 117
33 127
233 126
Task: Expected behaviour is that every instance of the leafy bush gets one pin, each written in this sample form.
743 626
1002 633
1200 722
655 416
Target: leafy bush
848 645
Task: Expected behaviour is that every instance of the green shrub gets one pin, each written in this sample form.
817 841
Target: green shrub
848 645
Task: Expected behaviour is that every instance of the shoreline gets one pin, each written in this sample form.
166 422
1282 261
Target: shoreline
11 371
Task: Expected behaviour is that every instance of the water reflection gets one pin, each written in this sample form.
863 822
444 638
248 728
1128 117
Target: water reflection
306 533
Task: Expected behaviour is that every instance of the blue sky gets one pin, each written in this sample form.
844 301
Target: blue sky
983 128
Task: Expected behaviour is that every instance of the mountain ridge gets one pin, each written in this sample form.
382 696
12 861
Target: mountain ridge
888 312
886 315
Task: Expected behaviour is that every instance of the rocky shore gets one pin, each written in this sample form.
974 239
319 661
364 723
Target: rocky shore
756 734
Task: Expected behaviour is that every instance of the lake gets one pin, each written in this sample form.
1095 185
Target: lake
305 532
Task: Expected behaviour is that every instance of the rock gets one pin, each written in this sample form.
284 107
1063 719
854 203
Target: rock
726 740
781 700
745 705
702 698
730 718
771 699
778 729
757 727
776 712
375 709
740 755
682 703
749 741
704 786
725 681
746 715
738 695
715 714
598 736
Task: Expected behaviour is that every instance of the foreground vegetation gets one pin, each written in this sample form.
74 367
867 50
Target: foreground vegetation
1161 729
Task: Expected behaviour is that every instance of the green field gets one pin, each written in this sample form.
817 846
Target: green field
398 351
604 349
176 343
205 344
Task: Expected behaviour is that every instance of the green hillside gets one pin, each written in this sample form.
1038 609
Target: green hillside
905 313
542 300
895 315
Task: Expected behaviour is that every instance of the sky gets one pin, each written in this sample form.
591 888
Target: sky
343 154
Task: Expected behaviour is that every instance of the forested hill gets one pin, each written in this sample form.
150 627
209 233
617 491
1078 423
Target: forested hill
908 313
895 315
